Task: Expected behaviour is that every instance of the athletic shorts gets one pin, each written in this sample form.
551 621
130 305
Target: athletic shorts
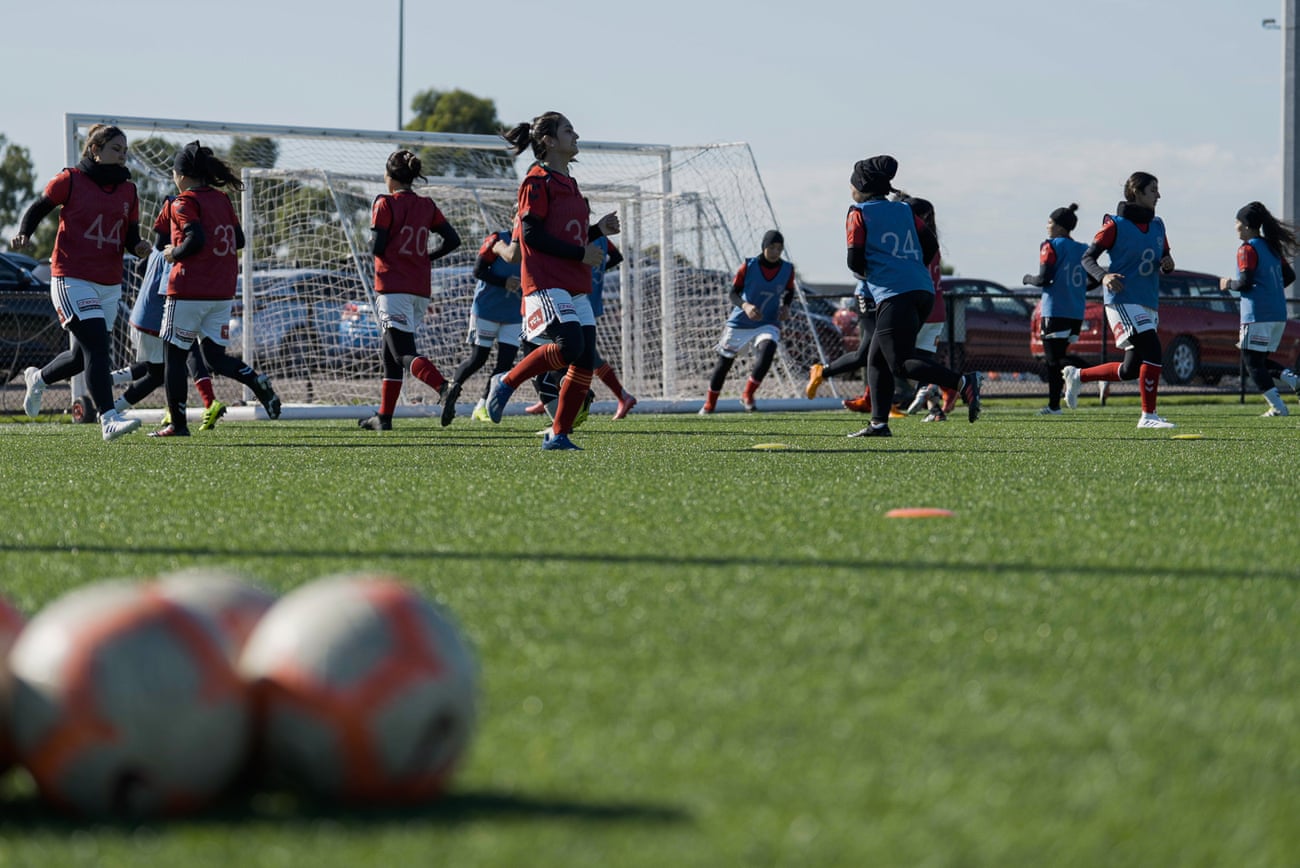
736 339
149 348
401 310
1126 320
927 337
1060 328
485 332
548 306
1260 337
186 320
75 298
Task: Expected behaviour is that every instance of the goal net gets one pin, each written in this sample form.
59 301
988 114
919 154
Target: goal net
305 311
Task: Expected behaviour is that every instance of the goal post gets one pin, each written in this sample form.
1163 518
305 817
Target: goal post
305 311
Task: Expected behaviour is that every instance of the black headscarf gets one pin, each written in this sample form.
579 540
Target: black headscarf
874 174
1066 218
192 160
772 236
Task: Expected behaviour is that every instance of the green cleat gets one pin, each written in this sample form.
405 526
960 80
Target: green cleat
214 411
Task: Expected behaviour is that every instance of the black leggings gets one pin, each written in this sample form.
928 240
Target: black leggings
89 353
1262 369
478 358
1144 350
893 350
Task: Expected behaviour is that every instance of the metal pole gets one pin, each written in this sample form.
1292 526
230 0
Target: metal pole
401 42
1290 117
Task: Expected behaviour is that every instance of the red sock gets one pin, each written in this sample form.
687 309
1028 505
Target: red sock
751 386
1149 385
1108 372
389 390
427 372
545 358
711 400
573 391
610 379
204 385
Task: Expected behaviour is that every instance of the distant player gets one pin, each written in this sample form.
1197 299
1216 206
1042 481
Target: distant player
494 318
147 374
761 293
557 258
99 223
1138 249
205 240
400 224
1064 284
1263 273
889 246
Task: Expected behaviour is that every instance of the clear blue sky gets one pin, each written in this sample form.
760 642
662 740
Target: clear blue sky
998 111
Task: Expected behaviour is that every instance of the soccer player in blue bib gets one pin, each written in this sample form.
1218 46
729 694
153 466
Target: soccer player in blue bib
1263 274
1134 237
1064 283
888 248
761 294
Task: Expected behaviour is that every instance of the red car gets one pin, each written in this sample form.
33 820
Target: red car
1198 331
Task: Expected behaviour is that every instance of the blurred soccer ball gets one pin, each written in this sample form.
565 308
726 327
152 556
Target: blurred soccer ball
365 691
11 624
127 704
227 597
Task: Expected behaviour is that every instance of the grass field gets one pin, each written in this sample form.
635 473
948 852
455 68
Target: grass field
699 654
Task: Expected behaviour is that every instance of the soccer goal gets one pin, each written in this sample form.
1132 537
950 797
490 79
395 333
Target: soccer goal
305 312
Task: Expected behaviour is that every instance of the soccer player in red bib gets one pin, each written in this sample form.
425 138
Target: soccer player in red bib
99 223
401 221
205 239
555 273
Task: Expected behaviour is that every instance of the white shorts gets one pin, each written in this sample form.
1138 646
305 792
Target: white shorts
547 306
75 298
401 310
734 339
1260 337
927 337
186 320
1126 320
149 348
485 332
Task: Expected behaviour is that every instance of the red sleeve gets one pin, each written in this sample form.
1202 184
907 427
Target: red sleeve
1247 258
1047 254
381 213
533 201
185 210
164 222
739 283
855 229
59 188
1105 237
485 249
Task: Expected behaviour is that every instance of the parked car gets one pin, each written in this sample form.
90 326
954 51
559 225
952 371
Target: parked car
1198 331
358 332
990 321
296 315
30 333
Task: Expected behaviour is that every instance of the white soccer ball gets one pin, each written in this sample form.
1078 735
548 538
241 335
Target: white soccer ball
365 691
127 704
11 624
235 603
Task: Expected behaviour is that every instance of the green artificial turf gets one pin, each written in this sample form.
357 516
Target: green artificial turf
698 653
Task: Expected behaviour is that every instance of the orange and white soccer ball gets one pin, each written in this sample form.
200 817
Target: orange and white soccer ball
127 704
11 624
365 691
234 602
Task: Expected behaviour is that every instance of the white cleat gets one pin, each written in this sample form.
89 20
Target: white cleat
35 391
1072 386
1151 420
114 425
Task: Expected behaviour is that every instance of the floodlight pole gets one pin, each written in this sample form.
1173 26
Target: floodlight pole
401 42
1290 115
